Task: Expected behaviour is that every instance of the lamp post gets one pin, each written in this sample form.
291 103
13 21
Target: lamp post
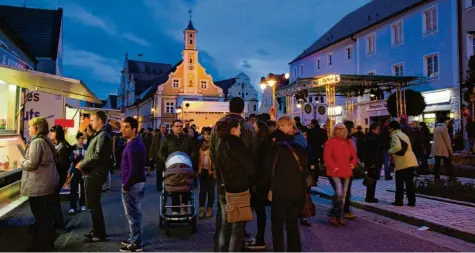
271 82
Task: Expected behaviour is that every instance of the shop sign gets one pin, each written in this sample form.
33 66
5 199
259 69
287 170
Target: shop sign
326 80
9 59
437 97
40 104
376 107
335 111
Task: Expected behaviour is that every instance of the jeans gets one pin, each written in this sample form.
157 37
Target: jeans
449 169
93 185
231 236
77 182
285 212
58 219
44 232
258 202
207 188
405 177
132 201
340 187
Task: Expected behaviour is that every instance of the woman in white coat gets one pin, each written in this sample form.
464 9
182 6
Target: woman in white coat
442 150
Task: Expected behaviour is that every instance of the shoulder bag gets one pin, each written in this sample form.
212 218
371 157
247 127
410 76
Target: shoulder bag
238 205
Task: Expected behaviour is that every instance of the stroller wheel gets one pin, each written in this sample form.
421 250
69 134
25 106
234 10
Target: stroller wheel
193 224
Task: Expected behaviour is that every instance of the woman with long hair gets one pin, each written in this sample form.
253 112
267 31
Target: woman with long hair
206 176
39 181
63 149
340 158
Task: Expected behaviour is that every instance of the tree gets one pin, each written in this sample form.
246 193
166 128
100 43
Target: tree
415 103
469 83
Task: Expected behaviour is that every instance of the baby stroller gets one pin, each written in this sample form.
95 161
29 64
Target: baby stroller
177 180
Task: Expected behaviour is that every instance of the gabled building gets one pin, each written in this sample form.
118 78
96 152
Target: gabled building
240 86
152 92
394 38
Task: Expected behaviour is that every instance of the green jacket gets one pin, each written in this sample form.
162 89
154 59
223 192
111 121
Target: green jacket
98 153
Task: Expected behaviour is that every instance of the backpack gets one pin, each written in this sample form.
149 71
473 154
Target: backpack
404 147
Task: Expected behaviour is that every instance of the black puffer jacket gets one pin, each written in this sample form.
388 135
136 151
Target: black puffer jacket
288 181
64 151
235 165
374 151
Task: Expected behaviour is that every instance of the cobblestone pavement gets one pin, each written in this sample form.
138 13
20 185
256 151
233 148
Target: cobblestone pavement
369 232
454 216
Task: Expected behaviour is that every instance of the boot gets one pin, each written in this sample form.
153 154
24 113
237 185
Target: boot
202 213
209 212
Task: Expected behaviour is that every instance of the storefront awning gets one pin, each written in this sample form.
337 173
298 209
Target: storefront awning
52 84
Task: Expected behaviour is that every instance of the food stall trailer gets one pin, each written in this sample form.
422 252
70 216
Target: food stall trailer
13 84
349 87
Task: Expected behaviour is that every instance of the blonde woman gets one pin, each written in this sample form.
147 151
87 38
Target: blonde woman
287 174
39 181
340 158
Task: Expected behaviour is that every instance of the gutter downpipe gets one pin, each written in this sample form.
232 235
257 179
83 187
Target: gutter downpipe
460 59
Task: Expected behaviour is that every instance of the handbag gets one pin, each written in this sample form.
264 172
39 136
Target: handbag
309 207
238 205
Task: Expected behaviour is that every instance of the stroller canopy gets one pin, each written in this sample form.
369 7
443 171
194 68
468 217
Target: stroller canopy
178 158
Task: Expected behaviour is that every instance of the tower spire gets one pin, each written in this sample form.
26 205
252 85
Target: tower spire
189 12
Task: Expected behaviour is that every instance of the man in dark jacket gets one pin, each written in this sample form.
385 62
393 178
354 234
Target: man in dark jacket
248 136
178 141
96 166
385 138
373 161
417 147
154 153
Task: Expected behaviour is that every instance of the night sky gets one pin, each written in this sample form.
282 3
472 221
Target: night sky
251 36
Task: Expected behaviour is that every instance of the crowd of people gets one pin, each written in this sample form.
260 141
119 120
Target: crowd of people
274 162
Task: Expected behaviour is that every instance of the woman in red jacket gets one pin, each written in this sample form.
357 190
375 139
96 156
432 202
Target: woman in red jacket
340 159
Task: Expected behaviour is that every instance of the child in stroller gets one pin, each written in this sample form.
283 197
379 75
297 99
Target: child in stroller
178 178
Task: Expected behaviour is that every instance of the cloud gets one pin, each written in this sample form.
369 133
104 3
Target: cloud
247 30
80 15
246 65
263 52
98 67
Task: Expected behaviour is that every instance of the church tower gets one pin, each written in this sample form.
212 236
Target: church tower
190 58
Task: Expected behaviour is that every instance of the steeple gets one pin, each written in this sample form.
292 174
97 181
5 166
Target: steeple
190 24
190 35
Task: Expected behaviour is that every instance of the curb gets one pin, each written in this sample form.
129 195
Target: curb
469 237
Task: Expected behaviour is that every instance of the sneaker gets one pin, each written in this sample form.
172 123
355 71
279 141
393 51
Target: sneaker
131 248
202 213
371 200
396 204
209 213
72 211
333 221
349 216
124 243
93 239
256 245
83 208
175 213
411 204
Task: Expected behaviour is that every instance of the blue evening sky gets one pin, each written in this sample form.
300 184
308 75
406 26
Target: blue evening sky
251 36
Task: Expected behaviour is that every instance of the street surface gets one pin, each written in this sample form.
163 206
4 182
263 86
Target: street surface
369 232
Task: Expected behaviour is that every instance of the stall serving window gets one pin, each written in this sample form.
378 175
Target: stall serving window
9 104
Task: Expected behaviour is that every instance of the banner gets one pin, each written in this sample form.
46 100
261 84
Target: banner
45 105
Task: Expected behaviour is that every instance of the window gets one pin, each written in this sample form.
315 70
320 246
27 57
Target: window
330 59
191 35
396 32
310 99
469 3
432 65
191 42
398 70
348 53
301 70
430 20
294 72
372 73
204 84
255 108
318 64
176 83
370 44
169 107
470 45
